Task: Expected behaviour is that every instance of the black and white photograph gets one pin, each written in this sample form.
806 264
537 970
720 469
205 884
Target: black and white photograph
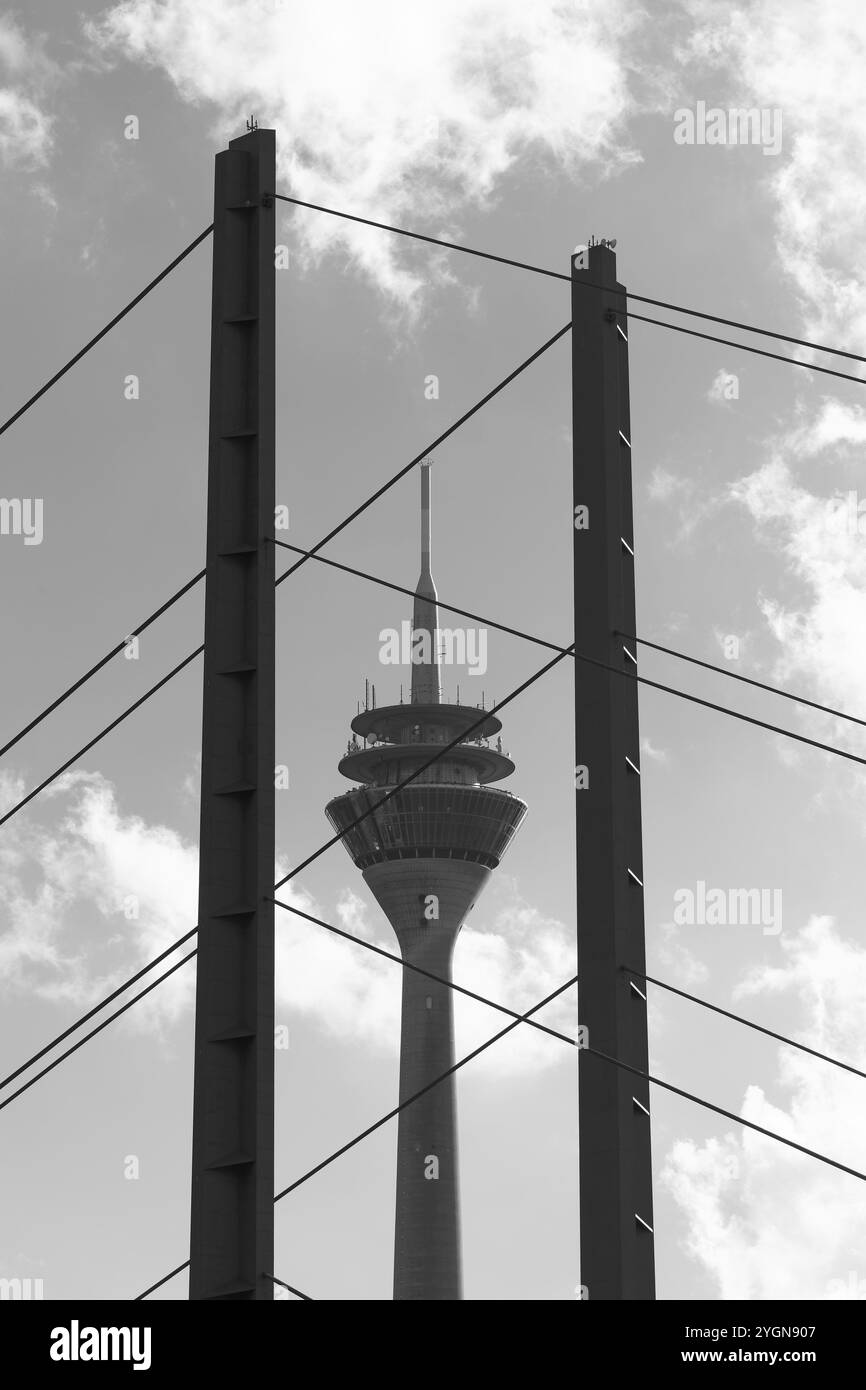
433 629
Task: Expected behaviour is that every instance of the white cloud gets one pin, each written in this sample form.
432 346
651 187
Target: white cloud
664 485
687 502
827 556
648 750
64 893
395 111
763 1220
517 960
808 63
26 73
835 426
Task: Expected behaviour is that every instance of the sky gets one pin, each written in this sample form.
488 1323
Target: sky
521 130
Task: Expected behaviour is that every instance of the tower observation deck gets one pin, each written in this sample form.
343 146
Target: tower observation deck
426 856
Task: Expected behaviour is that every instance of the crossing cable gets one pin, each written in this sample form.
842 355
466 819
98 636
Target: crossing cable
419 970
613 1061
136 632
735 675
486 714
555 1033
283 1285
542 1027
563 651
374 497
92 1034
494 709
588 284
747 1022
446 748
554 646
489 622
443 1076
97 1008
728 1114
398 588
676 1090
107 329
325 539
380 951
371 1129
101 735
411 593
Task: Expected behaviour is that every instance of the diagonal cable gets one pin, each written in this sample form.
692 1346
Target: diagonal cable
101 735
419 970
93 1032
564 651
603 665
103 661
307 554
555 646
586 284
374 497
736 676
97 1008
747 1022
410 1100
283 1285
727 1114
723 709
744 347
107 329
412 593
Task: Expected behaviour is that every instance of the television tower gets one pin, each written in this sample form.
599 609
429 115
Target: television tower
426 856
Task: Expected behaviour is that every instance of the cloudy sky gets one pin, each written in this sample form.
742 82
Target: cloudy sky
523 130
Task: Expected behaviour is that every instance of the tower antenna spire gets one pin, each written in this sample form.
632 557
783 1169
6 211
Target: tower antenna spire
426 685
